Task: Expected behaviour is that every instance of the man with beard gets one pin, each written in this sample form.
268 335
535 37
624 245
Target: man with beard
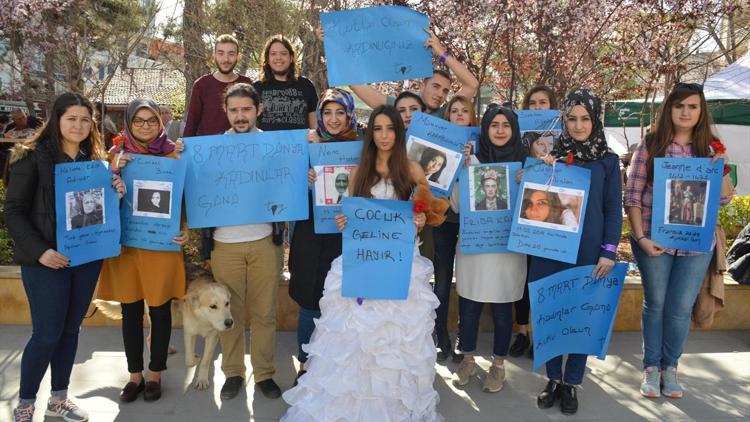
205 116
289 100
244 259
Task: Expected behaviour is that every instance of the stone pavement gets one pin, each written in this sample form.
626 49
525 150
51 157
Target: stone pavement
715 372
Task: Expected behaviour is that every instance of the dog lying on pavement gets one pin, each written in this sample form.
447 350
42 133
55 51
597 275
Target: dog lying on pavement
205 312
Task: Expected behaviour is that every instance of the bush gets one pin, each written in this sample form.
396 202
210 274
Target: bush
734 216
6 243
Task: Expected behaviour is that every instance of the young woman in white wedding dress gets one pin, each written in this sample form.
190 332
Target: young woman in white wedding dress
374 360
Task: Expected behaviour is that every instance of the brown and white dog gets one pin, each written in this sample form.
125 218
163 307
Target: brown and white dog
205 312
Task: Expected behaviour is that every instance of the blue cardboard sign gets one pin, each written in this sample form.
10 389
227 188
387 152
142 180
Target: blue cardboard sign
375 44
573 312
472 134
437 145
539 120
151 210
686 202
87 212
378 248
246 178
539 129
332 163
488 194
550 210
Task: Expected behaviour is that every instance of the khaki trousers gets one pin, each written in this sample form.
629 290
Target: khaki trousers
250 271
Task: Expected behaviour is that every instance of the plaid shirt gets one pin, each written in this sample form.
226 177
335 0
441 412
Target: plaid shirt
640 194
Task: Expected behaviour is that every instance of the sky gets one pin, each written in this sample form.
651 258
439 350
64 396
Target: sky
168 8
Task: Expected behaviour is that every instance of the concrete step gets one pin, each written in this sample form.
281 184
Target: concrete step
734 316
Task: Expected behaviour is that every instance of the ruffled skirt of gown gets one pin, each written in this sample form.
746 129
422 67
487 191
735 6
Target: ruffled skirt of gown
370 362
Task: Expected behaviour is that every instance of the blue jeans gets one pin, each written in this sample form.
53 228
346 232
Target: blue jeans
305 328
445 239
468 326
575 368
58 300
670 285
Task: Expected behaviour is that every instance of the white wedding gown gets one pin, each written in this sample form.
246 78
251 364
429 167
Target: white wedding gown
374 361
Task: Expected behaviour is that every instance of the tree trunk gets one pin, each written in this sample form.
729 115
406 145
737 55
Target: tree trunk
313 67
192 43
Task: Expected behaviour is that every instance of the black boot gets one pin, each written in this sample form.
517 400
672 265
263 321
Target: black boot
443 342
547 397
569 399
519 345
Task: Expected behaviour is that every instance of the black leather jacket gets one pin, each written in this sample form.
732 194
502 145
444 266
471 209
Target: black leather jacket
30 201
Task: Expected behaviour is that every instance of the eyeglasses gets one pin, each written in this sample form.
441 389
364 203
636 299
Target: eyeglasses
689 87
151 122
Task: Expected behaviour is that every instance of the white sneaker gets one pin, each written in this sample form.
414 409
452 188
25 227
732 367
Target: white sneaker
66 409
650 384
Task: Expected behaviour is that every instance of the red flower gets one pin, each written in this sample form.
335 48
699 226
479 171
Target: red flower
569 158
420 206
718 147
119 141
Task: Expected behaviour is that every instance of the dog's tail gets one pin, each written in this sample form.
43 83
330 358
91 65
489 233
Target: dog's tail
109 308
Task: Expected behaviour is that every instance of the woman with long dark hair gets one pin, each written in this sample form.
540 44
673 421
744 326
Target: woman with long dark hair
583 138
671 278
139 275
373 359
58 294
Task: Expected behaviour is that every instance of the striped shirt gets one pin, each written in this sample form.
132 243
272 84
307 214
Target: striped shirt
640 194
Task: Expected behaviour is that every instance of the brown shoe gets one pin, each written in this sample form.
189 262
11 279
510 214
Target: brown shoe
131 390
152 392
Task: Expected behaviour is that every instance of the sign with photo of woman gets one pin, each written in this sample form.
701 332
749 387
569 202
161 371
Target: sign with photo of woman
488 192
437 145
549 210
332 162
686 202
87 212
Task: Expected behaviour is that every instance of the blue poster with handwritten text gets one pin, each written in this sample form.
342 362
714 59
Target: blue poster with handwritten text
488 195
378 248
686 202
375 44
246 178
332 163
151 210
472 134
87 212
550 208
539 120
573 312
437 145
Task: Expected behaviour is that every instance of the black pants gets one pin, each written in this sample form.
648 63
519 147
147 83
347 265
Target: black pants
132 335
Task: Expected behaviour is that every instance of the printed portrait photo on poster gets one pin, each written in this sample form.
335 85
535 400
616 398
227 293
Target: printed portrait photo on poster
332 184
490 188
551 207
439 164
84 208
686 202
538 143
152 198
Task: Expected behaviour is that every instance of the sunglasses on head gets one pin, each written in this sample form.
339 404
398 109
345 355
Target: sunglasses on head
689 87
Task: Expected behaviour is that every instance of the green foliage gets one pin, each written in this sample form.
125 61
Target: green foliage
734 216
6 243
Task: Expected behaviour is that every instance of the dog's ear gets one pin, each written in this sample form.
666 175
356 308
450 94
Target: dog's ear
192 301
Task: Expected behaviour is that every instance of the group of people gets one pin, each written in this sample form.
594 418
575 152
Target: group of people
358 359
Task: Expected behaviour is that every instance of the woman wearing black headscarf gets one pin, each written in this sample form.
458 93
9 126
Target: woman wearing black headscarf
495 278
583 142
